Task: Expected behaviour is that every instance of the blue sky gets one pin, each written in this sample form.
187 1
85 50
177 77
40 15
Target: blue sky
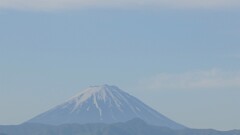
181 59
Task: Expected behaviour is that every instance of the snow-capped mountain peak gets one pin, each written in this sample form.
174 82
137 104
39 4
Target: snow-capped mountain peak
105 104
103 93
100 92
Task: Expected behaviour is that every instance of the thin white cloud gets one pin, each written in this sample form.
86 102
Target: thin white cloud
235 56
211 79
69 4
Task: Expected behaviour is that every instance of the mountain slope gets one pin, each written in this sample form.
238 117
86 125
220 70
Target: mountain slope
132 127
103 104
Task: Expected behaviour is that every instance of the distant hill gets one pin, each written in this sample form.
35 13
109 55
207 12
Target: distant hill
132 127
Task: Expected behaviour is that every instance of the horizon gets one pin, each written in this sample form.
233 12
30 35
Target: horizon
180 58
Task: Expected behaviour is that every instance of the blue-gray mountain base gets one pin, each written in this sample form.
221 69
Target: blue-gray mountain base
132 127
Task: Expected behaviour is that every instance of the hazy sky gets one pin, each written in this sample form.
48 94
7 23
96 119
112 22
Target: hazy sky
180 57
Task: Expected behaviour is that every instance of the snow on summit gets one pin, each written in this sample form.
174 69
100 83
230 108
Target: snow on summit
102 104
98 92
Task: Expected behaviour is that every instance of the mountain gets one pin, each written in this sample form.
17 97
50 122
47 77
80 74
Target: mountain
103 104
132 127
